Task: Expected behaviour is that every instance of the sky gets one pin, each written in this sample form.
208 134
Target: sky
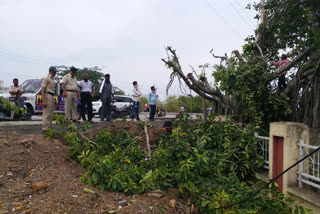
126 38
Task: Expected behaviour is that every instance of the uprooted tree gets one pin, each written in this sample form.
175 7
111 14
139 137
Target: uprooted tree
245 84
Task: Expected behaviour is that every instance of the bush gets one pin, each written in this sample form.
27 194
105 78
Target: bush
210 163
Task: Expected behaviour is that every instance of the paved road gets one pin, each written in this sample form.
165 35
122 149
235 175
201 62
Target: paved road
35 125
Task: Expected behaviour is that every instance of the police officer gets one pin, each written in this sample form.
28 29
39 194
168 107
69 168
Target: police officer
15 89
48 96
70 94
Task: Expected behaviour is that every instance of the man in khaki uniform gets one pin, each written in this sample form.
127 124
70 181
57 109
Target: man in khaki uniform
70 93
48 91
15 89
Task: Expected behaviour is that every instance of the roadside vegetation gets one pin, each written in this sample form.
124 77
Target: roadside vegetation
212 163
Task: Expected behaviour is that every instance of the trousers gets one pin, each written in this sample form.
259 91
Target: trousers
152 111
106 107
70 106
135 109
86 98
48 113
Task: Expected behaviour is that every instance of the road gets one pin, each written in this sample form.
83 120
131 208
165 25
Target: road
35 125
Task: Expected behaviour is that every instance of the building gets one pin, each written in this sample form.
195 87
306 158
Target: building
3 90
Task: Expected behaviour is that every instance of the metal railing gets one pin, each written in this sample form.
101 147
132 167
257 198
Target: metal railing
309 169
263 148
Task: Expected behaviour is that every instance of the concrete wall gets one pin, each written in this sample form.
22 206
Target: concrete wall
291 133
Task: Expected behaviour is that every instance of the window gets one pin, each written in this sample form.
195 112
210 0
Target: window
123 99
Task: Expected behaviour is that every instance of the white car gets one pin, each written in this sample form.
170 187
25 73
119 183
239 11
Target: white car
120 102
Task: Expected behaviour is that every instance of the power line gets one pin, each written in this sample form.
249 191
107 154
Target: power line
240 14
223 19
250 19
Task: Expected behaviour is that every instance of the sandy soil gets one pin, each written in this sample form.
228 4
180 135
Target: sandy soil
37 176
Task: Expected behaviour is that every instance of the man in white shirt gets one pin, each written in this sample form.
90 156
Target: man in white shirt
86 94
136 95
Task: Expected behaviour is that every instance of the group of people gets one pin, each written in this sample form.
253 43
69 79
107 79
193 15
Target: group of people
84 92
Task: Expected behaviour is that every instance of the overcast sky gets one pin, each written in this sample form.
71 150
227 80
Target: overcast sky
126 38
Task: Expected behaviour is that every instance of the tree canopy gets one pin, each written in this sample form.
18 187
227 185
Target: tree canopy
245 84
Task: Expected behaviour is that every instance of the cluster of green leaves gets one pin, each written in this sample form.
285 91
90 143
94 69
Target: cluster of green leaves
210 163
7 106
259 101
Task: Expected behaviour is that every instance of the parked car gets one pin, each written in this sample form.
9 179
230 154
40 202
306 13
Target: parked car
33 99
121 102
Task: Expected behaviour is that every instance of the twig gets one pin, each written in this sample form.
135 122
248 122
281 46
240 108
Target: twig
88 139
147 137
136 137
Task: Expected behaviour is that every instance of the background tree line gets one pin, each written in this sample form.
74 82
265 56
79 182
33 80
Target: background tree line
95 75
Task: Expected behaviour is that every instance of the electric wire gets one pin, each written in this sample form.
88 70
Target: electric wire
248 18
242 17
270 182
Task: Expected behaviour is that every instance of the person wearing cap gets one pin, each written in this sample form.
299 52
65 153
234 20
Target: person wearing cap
48 89
86 94
136 94
15 89
106 92
152 100
70 94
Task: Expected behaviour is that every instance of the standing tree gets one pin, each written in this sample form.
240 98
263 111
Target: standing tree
246 85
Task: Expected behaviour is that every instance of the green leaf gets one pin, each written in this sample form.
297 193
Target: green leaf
88 190
258 176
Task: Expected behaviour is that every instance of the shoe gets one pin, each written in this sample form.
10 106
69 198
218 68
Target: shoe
109 120
76 121
90 121
101 119
138 119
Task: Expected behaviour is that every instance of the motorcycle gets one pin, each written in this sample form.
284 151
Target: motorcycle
21 115
116 112
180 112
161 112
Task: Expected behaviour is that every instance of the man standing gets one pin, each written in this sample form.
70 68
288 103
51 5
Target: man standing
15 89
86 94
106 92
48 100
283 62
152 100
136 94
70 93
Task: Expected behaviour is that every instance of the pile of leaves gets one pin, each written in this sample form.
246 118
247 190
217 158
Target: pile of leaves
210 163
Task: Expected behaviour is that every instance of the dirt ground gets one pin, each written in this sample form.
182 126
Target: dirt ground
37 176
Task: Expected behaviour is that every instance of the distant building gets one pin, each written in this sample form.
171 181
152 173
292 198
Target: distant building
3 90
